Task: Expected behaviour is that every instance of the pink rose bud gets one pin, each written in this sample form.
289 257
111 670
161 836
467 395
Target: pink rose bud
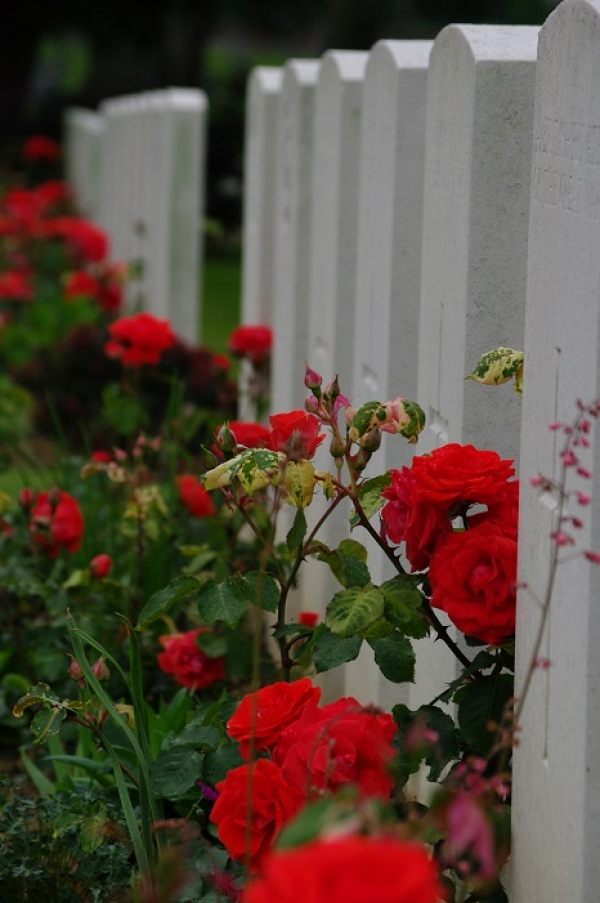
332 389
312 379
311 405
101 566
337 448
100 669
75 668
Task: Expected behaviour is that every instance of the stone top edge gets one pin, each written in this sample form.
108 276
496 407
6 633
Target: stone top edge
350 64
406 54
501 43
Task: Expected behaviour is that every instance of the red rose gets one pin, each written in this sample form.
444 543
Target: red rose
56 522
194 496
308 618
267 712
274 803
504 512
339 744
139 339
458 474
250 435
295 433
81 284
86 239
101 456
472 577
39 147
253 342
52 193
15 286
421 526
349 869
187 663
101 566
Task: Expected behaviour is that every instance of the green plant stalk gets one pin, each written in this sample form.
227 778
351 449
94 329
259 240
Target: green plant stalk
145 791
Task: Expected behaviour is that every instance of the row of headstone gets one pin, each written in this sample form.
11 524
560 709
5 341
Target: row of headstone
430 203
137 169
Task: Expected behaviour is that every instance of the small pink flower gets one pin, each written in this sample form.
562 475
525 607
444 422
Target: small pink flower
594 557
583 498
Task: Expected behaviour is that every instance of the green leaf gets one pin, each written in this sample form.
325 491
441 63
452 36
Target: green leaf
218 763
222 602
159 603
295 537
331 650
379 628
93 830
299 482
175 771
198 734
370 498
261 589
213 644
481 662
39 694
481 705
347 563
395 657
403 607
436 753
352 610
500 366
46 723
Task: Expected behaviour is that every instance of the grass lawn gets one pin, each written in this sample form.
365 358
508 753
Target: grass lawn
220 300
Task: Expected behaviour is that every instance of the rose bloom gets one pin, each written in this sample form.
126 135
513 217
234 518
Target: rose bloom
194 496
308 618
473 577
39 147
421 526
339 744
52 193
253 342
267 712
139 339
15 286
348 869
274 803
101 566
183 659
459 474
87 240
249 434
296 433
504 511
56 522
80 284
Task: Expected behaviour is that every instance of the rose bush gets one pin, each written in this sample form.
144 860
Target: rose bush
139 339
56 522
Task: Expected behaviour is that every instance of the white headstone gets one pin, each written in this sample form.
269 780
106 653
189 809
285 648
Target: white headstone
388 280
258 228
475 221
332 284
556 815
294 199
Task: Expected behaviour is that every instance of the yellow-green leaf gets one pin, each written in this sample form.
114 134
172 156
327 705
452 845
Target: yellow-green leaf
500 366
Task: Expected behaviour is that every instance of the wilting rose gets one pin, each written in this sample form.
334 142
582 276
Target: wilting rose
352 868
296 433
473 576
339 744
56 522
139 339
194 496
274 803
253 342
183 659
264 714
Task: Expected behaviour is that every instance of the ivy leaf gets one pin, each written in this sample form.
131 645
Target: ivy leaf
159 603
352 610
222 602
295 537
395 657
331 650
175 771
404 607
370 497
481 706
